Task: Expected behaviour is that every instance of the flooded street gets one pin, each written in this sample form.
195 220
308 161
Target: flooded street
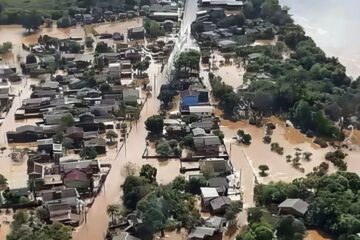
332 24
97 219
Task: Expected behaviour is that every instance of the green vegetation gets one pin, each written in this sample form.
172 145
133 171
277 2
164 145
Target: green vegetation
337 158
334 202
155 124
161 207
153 28
187 61
29 226
88 153
243 137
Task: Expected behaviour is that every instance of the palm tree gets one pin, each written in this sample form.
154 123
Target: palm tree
113 210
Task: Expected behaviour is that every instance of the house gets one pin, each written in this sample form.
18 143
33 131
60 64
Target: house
219 204
198 132
162 16
98 143
130 95
118 36
227 4
226 45
193 97
216 222
114 70
208 194
219 165
220 183
52 180
48 145
75 133
200 233
60 195
201 111
88 19
26 133
76 178
206 124
137 33
294 206
207 144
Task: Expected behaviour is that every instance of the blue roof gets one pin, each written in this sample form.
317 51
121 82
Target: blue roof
190 101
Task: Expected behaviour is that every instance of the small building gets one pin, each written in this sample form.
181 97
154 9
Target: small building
208 143
201 111
294 206
219 165
218 205
137 33
98 143
200 233
220 183
162 16
77 179
25 134
226 45
216 222
88 19
208 194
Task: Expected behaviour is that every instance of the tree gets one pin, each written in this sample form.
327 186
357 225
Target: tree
113 210
88 153
111 135
67 120
254 215
153 28
166 96
102 47
3 181
179 183
219 133
195 183
290 228
188 141
263 169
152 215
163 149
228 103
188 60
263 232
31 21
141 66
134 189
232 210
67 143
155 124
148 172
105 88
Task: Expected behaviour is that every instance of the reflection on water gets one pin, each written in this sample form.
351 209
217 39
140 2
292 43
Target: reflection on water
333 25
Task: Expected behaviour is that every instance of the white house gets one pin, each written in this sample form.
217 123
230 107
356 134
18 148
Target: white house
202 111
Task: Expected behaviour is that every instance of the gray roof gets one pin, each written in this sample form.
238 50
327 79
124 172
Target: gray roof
201 232
125 236
198 132
220 202
215 222
296 204
26 128
208 192
218 182
204 141
95 142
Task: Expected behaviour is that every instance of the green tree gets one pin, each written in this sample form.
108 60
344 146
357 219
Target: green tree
179 183
111 135
263 169
163 149
67 120
113 210
155 124
3 181
290 228
31 21
166 96
232 210
88 153
134 189
195 183
254 215
148 172
263 232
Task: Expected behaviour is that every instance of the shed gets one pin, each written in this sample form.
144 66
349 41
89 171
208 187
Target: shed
294 206
201 233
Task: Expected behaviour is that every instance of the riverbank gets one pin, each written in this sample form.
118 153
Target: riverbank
330 23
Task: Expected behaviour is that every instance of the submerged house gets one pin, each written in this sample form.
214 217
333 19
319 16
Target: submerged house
193 97
294 206
137 33
27 133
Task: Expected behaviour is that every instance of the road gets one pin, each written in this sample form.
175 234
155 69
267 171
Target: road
97 219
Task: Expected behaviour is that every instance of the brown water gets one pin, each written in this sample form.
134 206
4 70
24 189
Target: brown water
316 235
